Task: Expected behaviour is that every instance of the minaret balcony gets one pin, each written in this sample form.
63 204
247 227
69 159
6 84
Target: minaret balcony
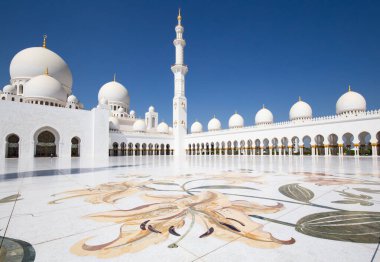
180 69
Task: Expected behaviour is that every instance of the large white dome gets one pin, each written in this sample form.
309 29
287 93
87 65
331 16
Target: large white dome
351 102
33 61
263 116
163 128
139 126
45 86
236 121
300 110
113 123
214 124
9 89
114 92
196 127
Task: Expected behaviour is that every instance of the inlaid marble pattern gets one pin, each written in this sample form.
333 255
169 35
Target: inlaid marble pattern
210 208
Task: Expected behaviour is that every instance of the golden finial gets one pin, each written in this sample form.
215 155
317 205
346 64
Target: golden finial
179 17
114 77
299 98
47 71
44 42
349 88
214 116
263 106
235 111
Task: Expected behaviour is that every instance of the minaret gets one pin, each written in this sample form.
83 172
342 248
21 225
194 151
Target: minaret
179 70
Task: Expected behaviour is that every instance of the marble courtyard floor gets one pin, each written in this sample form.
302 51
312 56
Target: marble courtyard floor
206 208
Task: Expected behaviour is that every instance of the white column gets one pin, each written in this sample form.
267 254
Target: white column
374 149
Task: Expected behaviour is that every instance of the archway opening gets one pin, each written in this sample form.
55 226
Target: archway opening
365 148
348 145
307 145
75 149
46 146
12 146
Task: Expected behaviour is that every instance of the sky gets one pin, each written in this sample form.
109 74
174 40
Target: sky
240 54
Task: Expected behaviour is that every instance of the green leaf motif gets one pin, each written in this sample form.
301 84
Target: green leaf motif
297 192
10 198
368 190
349 226
223 187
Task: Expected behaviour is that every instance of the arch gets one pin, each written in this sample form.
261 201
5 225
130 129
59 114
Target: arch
236 148
143 149
46 140
319 145
333 144
115 149
123 148
378 143
217 148
168 149
257 147
365 148
266 146
249 147
75 146
162 151
348 144
12 146
285 145
229 148
223 148
274 146
150 149
207 149
198 149
156 149
212 148
137 149
130 149
202 148
307 145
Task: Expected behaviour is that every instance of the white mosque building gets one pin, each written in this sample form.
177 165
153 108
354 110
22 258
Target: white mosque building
40 117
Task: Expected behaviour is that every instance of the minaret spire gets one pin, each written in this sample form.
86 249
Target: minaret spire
44 41
179 70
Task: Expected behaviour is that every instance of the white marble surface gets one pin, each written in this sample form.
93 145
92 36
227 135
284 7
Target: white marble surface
54 229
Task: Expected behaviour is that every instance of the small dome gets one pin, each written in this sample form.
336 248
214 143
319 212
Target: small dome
196 127
139 126
121 110
351 102
45 86
163 128
31 62
72 99
132 113
114 123
103 101
263 116
236 121
114 92
9 89
214 124
151 109
300 110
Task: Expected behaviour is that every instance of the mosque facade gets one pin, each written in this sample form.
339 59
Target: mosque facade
41 117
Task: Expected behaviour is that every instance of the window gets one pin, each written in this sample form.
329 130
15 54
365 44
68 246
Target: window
41 103
20 99
3 98
21 89
69 106
46 103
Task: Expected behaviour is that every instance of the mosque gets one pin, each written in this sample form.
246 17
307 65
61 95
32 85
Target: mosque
41 117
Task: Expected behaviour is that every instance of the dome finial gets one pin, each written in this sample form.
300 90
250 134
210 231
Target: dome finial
44 42
214 116
179 17
349 88
299 98
263 106
47 71
235 111
114 77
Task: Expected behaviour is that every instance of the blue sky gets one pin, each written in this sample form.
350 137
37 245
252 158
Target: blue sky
241 54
